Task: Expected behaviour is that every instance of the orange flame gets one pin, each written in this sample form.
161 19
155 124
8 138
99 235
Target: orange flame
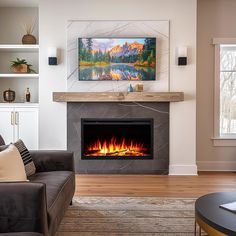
116 148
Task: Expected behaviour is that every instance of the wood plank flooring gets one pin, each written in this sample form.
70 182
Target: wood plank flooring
155 185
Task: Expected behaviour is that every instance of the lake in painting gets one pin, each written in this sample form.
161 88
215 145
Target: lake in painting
117 59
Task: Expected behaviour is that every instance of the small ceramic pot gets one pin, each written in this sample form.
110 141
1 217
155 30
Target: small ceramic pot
9 95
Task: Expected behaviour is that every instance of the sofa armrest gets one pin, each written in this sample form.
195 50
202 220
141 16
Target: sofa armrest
53 160
23 207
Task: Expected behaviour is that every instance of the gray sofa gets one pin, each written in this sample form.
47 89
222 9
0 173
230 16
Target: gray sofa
39 205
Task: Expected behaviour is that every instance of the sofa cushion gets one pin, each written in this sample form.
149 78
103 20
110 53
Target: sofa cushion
26 157
59 190
30 168
54 180
11 165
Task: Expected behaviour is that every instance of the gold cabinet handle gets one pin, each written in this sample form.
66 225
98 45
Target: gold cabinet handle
16 118
12 118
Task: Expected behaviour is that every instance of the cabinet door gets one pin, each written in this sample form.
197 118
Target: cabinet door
27 126
7 124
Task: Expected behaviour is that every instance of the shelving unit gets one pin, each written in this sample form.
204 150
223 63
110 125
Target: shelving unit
12 48
18 117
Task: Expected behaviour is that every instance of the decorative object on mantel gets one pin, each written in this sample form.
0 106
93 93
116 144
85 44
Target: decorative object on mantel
182 56
21 66
52 56
139 88
27 95
130 88
118 96
29 38
9 95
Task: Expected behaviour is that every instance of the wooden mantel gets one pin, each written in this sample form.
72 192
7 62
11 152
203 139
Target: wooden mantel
118 96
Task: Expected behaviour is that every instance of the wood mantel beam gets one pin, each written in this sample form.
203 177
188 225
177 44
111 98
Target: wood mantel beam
118 96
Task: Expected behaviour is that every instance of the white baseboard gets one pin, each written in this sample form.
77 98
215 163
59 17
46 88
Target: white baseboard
183 170
216 165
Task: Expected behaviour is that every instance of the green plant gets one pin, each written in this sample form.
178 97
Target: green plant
19 62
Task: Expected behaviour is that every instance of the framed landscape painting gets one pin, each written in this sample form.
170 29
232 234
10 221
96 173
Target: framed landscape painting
117 59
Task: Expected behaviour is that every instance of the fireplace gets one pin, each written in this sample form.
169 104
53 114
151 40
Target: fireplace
155 116
113 138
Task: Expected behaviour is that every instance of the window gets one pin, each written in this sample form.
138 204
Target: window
227 89
225 92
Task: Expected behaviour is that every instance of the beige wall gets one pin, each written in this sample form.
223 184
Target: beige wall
53 16
215 19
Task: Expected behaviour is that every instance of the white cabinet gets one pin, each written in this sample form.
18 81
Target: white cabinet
19 121
6 124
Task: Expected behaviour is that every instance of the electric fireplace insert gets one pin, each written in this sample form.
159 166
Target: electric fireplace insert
116 139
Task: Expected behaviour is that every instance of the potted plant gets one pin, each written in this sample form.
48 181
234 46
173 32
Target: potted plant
29 38
21 66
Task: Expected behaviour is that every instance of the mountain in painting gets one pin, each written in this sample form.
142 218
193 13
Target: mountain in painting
126 49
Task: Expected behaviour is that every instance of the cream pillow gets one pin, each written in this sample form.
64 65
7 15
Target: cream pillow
11 165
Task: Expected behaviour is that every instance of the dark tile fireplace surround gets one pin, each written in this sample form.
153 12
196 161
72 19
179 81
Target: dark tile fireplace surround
153 161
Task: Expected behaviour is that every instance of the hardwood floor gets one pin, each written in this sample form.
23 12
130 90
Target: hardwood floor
155 185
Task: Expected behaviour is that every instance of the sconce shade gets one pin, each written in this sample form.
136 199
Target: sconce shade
52 52
182 51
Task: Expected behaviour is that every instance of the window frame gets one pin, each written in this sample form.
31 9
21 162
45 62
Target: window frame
220 140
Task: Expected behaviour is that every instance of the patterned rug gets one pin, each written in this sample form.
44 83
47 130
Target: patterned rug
123 216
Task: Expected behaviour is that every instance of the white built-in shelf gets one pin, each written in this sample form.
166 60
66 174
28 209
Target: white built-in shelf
23 75
19 47
18 104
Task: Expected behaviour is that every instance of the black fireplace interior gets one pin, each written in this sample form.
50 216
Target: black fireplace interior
116 139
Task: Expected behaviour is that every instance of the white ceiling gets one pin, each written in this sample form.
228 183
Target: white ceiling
19 3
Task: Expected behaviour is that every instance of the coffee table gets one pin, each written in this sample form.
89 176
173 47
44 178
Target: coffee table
211 218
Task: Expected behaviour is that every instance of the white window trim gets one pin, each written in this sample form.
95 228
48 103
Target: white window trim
227 140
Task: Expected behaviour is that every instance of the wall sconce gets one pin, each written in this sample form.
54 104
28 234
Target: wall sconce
182 53
52 56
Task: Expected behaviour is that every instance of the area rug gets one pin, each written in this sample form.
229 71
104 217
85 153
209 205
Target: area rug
123 216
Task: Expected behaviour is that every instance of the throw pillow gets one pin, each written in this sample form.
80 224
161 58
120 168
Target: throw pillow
11 165
26 157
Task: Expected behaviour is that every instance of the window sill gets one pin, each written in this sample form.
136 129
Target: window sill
224 141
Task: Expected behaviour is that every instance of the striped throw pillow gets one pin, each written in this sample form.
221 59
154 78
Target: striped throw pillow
26 157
